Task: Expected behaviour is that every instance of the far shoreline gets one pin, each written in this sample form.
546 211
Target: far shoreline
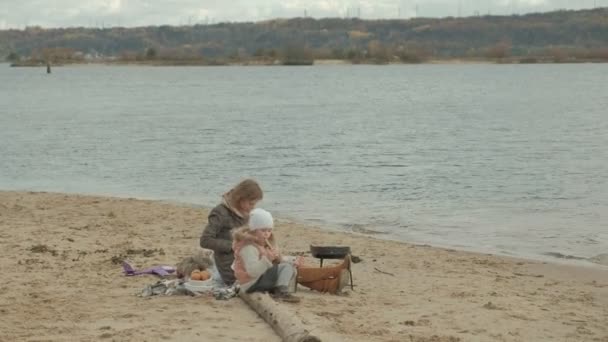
316 62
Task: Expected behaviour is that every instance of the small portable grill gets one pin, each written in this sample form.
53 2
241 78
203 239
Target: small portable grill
332 252
329 252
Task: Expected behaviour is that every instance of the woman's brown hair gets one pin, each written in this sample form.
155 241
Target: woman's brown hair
246 190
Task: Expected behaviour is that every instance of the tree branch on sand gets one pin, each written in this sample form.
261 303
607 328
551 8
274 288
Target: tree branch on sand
284 323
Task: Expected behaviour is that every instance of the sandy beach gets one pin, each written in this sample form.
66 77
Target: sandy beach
60 284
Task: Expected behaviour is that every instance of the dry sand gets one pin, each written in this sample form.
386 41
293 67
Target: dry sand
59 283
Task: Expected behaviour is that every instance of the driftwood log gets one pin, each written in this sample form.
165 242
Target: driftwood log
284 323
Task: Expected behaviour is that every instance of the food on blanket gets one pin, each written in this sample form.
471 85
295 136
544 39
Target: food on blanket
199 261
200 275
205 275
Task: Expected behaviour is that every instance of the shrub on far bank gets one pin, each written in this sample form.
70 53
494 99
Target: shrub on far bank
297 55
13 57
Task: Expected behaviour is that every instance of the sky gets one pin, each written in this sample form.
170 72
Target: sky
130 13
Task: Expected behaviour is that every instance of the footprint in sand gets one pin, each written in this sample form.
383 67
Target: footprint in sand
491 306
328 314
419 323
596 284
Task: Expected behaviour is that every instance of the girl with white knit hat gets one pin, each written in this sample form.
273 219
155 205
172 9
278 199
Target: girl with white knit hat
258 265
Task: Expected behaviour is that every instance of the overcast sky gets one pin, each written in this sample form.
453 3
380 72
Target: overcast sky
62 13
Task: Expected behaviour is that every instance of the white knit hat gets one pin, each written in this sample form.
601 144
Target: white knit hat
260 219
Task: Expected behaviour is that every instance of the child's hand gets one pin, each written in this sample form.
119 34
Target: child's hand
274 254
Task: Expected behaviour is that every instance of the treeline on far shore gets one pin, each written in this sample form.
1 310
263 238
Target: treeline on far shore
374 54
552 37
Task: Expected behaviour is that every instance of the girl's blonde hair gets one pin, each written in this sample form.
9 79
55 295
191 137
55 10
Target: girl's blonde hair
246 190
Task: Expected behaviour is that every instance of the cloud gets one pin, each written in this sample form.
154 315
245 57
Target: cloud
61 13
114 6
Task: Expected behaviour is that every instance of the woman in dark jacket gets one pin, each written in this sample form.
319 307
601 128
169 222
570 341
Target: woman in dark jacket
232 213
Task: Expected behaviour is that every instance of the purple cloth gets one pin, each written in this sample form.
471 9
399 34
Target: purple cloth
161 271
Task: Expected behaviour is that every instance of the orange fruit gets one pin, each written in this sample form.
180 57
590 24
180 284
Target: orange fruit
204 275
196 275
